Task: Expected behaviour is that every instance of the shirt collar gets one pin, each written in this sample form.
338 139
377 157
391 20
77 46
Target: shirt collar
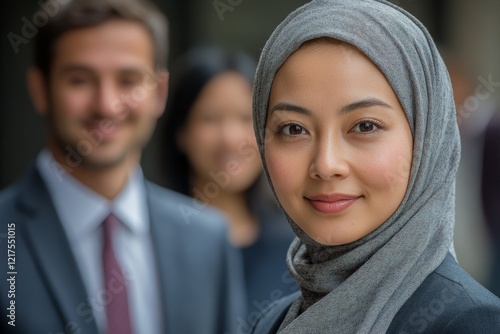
81 210
131 204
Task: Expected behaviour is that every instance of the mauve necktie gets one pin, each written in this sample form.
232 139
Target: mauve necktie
117 308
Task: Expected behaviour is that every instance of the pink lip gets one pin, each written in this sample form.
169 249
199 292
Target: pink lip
331 203
110 133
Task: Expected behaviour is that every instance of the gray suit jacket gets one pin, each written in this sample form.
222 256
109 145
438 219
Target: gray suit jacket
449 301
200 274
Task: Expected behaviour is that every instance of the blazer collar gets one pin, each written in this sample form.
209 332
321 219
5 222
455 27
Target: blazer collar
166 246
50 249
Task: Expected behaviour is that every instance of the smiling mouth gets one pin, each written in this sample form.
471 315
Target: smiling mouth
103 130
223 160
331 204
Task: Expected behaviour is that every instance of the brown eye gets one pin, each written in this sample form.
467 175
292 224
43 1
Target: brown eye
366 127
78 80
292 130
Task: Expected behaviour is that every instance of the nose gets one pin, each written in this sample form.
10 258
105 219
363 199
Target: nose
233 133
108 102
329 160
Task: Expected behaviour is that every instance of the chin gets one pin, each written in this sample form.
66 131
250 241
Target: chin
327 242
105 160
332 235
237 187
241 183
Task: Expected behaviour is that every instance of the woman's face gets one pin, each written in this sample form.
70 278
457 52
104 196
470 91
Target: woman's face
218 138
338 144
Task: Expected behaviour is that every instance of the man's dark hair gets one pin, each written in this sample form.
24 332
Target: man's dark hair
89 13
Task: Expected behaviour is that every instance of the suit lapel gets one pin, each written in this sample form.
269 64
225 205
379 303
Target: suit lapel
51 251
272 318
166 246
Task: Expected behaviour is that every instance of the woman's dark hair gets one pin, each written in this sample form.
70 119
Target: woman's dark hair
190 75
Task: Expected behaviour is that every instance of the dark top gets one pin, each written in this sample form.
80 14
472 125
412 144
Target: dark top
449 301
266 275
491 177
490 191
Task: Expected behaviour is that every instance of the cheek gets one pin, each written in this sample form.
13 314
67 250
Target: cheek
200 144
205 139
249 136
284 170
137 106
249 150
388 171
71 103
250 142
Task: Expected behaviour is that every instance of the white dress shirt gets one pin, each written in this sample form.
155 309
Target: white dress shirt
81 212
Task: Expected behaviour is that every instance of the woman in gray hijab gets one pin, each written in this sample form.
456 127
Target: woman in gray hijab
356 127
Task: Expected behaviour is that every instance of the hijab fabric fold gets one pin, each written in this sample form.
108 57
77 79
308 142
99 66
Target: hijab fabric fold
359 287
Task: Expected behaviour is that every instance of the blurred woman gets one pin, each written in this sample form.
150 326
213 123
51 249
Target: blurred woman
210 153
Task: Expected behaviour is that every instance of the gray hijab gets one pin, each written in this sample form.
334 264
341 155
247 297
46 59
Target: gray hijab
359 287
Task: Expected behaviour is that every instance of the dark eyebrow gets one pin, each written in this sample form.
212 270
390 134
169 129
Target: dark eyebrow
84 68
290 107
133 70
75 68
366 103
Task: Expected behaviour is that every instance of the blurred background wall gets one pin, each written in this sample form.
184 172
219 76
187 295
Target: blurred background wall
469 30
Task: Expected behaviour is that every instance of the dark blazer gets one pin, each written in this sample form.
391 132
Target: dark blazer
264 262
490 191
490 185
449 301
199 273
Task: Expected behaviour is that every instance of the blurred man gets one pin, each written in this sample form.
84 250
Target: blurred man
93 247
